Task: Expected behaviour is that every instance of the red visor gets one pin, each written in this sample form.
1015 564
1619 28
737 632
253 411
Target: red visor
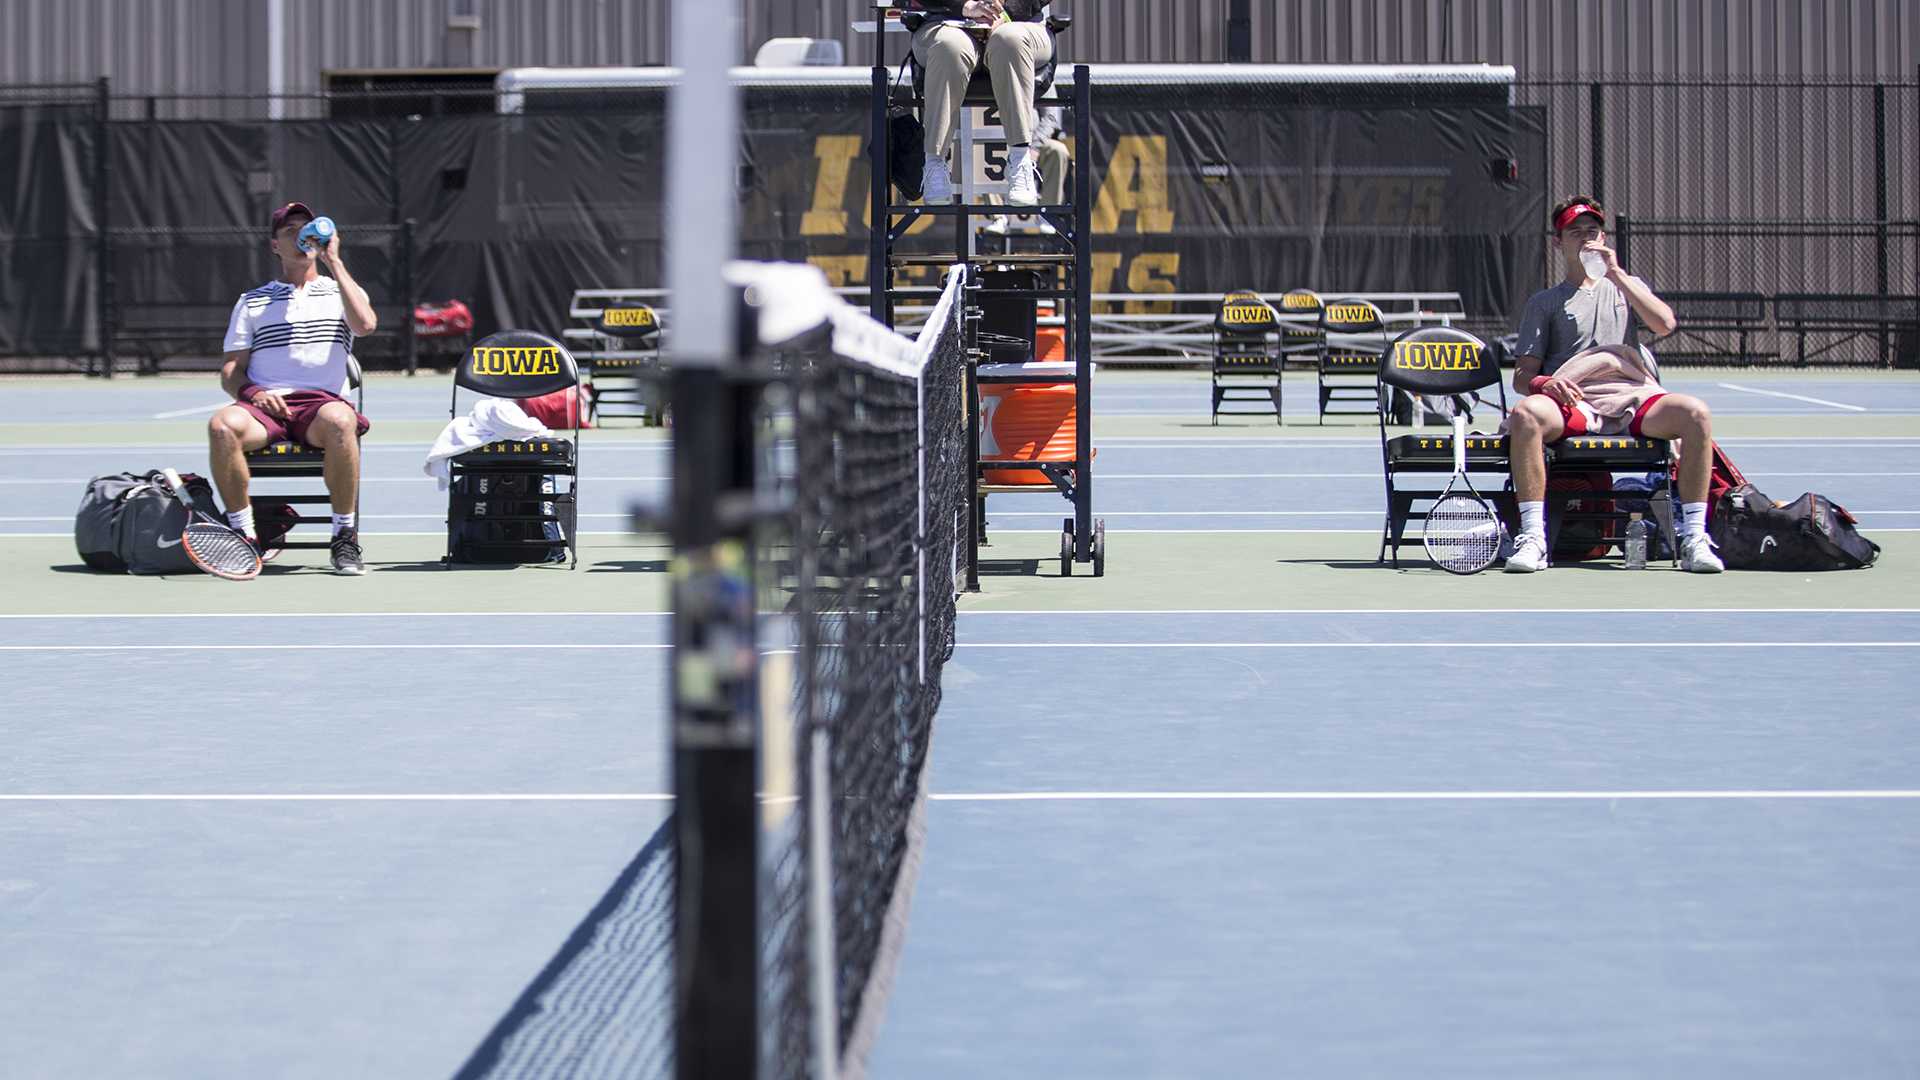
1566 216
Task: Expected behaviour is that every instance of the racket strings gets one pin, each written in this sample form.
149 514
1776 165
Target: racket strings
220 551
1462 533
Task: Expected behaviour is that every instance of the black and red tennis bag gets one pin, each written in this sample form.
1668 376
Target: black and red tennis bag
1812 532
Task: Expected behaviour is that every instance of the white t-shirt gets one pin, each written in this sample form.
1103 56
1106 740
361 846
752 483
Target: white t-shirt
296 338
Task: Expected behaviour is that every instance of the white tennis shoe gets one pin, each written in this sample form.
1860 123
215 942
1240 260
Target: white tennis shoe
1697 555
1529 554
936 183
1023 177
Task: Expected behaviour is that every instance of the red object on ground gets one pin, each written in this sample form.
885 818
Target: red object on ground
448 319
558 409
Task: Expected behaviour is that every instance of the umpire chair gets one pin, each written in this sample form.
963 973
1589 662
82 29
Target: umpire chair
516 364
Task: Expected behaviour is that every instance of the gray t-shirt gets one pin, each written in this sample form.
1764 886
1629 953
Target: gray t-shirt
1567 319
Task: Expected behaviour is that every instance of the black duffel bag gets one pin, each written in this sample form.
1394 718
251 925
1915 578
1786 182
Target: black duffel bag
130 523
1812 532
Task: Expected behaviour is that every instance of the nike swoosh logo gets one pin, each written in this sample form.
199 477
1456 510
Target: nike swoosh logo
163 543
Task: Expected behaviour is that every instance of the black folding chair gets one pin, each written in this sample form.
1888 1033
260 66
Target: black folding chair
294 460
627 380
1348 371
515 364
1246 355
1439 361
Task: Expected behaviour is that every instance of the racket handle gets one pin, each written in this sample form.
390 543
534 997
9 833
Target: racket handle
1459 444
179 487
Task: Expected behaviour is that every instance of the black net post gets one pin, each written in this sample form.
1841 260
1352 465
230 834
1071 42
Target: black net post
880 193
103 254
714 686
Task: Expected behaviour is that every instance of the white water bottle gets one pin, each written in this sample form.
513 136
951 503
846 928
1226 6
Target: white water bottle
1637 533
1595 266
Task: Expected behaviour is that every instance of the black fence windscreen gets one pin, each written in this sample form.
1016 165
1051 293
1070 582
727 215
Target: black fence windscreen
1198 190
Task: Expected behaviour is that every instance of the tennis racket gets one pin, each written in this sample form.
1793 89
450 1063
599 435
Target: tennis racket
211 545
1462 532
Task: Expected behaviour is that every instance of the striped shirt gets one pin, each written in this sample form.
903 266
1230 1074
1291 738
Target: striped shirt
294 338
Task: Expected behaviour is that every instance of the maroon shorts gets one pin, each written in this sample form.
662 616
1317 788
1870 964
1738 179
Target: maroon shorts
302 407
1575 421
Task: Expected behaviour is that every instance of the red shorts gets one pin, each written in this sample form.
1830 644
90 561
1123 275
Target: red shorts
1575 421
302 407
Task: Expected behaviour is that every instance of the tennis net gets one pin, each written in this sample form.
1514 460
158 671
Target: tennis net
865 442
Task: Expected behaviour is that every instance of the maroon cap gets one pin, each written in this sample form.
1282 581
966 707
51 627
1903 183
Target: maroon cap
281 215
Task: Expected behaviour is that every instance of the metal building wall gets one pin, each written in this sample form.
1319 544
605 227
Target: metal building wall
218 46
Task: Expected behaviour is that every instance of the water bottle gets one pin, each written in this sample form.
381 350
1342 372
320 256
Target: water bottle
1596 266
1638 531
315 234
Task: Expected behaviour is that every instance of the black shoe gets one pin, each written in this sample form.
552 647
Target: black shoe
346 552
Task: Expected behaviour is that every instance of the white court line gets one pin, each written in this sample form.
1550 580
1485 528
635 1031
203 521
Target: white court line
1022 796
1442 612
1410 796
1793 397
651 797
1462 645
294 647
189 412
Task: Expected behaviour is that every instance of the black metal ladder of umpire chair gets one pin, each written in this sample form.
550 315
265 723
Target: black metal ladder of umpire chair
490 483
1246 355
628 380
275 515
1347 372
1440 361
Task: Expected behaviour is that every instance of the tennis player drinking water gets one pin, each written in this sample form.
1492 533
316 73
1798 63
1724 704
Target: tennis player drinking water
1580 369
287 348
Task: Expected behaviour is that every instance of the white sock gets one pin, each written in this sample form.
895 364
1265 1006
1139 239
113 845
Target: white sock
241 520
342 522
1533 519
1694 519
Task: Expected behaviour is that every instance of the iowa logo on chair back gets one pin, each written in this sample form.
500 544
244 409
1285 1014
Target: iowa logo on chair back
630 322
517 363
1439 360
1244 312
1350 317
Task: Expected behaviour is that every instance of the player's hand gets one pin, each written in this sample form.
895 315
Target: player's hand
330 251
1562 391
981 10
1607 254
271 403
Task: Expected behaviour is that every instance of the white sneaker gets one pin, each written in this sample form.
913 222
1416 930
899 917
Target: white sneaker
998 226
1046 228
1023 178
1697 555
936 183
1529 554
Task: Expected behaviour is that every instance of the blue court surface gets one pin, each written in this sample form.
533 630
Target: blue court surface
1261 808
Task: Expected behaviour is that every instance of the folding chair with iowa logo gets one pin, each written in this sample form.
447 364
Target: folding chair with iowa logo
499 493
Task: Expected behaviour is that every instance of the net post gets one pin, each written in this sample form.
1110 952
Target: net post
102 208
879 194
713 681
1083 312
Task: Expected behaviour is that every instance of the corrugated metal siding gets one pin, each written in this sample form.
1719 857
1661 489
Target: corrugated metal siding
205 46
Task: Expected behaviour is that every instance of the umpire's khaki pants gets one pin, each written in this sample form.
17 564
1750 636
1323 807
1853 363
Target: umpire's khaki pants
950 55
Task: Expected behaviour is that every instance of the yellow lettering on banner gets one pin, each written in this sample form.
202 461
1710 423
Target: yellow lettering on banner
1436 356
516 361
1155 272
1427 202
628 317
836 154
1106 264
1136 182
841 270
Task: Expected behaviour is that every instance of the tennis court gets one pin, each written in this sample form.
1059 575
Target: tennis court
1248 805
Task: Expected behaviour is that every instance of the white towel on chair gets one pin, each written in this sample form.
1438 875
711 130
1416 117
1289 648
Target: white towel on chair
492 420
